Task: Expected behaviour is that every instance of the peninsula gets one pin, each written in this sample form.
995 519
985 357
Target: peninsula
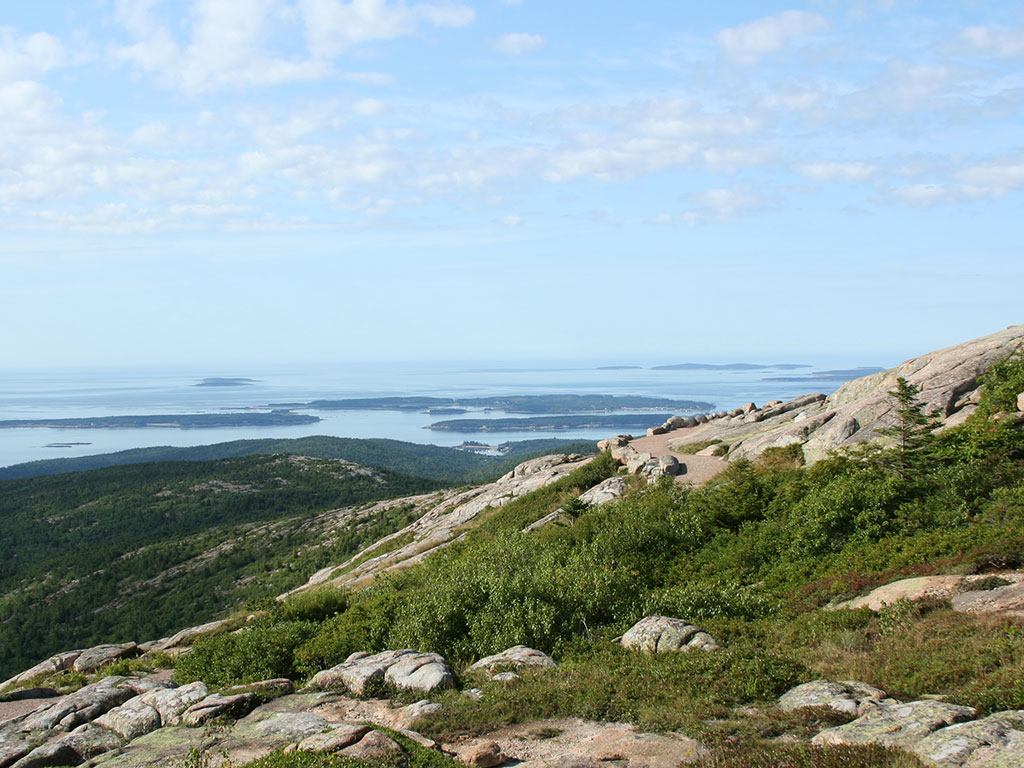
174 421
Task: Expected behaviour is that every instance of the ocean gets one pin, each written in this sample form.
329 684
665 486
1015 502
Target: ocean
53 394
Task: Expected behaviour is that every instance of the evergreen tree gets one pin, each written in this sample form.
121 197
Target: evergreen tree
911 428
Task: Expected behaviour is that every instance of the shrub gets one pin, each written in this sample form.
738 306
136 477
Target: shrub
259 651
314 605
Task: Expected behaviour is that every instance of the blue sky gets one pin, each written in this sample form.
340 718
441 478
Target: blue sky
202 181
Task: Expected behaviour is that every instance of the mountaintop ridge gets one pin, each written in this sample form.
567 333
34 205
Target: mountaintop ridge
856 608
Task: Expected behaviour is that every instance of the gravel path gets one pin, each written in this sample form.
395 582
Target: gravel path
699 469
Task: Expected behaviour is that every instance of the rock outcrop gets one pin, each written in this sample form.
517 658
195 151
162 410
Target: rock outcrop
960 590
940 734
409 669
848 696
948 380
443 516
662 633
511 661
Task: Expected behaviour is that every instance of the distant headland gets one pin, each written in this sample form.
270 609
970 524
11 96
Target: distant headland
225 381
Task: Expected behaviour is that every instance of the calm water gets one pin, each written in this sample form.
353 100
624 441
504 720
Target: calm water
113 392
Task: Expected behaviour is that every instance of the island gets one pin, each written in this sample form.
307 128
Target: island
172 421
549 423
537 404
729 367
837 376
229 381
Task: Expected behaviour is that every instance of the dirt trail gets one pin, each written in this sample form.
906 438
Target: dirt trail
699 469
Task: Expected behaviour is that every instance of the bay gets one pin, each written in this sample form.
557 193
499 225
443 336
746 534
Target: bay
64 393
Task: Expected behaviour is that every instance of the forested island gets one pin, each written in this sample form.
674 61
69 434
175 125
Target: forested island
509 404
599 421
174 421
225 381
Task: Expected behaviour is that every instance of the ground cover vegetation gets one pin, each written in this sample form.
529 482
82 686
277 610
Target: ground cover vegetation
757 558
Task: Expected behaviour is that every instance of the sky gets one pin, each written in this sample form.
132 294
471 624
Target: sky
227 181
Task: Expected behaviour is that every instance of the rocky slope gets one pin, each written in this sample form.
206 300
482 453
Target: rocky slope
947 380
443 515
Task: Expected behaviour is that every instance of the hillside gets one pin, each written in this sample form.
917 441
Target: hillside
737 590
85 556
428 461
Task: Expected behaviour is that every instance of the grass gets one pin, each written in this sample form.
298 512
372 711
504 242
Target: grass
602 681
691 448
806 756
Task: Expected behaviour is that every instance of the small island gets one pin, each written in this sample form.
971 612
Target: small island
553 423
537 404
229 381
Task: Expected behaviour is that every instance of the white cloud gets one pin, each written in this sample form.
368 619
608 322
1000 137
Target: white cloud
926 194
333 26
723 203
27 104
830 171
517 43
369 78
226 46
370 107
28 57
997 42
749 43
511 221
994 178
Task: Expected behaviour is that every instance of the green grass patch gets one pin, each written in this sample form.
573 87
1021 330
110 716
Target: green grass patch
691 448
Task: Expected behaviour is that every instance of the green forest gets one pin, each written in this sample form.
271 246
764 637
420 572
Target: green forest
430 461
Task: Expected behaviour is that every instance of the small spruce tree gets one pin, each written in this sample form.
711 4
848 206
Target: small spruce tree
911 428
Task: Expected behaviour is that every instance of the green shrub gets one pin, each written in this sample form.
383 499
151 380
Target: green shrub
315 604
259 651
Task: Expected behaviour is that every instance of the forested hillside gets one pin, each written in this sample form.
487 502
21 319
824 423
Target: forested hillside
430 461
139 551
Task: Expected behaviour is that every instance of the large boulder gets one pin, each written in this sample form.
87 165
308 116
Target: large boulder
662 633
376 748
187 636
605 491
218 705
404 669
92 659
132 719
848 696
514 658
171 703
895 724
335 739
82 706
997 740
85 742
